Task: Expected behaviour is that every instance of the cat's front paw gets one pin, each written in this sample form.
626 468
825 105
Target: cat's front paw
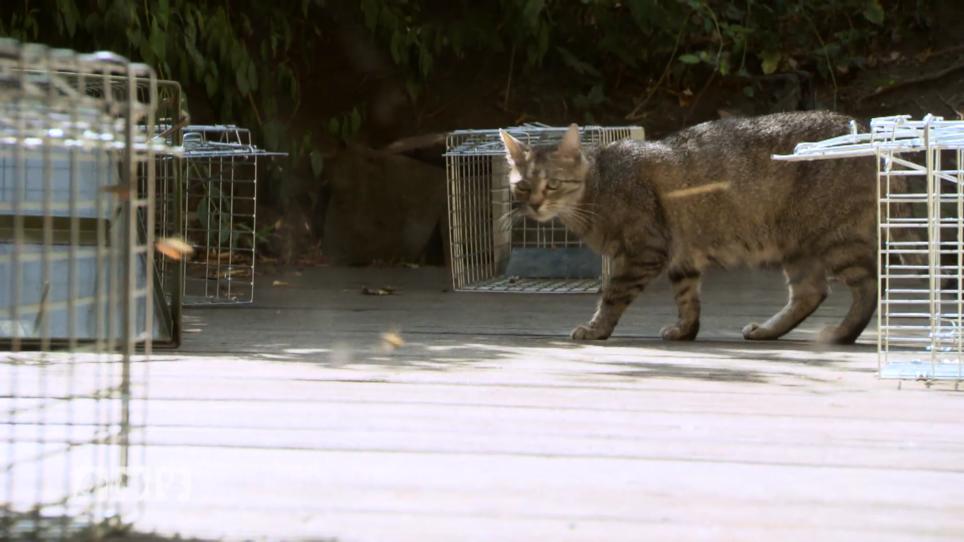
588 332
677 332
758 332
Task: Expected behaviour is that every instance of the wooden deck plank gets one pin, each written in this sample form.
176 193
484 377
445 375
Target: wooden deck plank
292 422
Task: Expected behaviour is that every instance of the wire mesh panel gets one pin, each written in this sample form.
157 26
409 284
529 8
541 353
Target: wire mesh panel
491 253
76 250
920 176
171 118
220 197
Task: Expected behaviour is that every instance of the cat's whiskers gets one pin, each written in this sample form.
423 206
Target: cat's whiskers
509 218
578 218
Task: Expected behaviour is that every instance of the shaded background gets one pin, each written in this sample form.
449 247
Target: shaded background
360 93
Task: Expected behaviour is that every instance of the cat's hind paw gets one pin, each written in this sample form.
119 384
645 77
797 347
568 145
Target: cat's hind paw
677 332
836 335
586 332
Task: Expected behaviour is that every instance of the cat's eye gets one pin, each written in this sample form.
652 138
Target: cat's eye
522 186
553 184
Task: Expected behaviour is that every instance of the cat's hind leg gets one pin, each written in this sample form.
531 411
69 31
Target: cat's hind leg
807 281
686 290
860 275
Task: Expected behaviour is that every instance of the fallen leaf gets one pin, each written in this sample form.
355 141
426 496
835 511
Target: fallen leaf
384 290
173 248
392 340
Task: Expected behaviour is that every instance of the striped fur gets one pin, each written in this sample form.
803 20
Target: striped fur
710 195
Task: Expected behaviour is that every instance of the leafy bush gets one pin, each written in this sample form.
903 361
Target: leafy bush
249 58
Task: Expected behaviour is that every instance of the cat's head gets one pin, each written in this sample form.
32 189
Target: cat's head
548 181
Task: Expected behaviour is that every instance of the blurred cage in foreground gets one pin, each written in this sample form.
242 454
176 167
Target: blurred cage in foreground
220 213
920 177
490 252
77 299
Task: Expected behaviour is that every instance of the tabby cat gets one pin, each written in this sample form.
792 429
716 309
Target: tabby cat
712 195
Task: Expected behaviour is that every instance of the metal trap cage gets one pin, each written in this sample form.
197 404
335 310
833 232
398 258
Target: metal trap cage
220 213
171 117
920 177
77 301
492 254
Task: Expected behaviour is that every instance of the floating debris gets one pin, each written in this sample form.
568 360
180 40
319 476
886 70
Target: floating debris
391 340
173 248
122 191
384 290
696 190
279 283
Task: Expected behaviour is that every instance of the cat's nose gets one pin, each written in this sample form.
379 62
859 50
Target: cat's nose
535 205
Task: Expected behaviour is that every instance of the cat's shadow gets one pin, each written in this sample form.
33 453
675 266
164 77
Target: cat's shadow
735 360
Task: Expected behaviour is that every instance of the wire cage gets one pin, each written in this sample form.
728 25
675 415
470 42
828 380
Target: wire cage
492 254
220 213
171 118
920 177
77 301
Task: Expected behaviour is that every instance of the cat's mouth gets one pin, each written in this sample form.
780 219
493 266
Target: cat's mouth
542 215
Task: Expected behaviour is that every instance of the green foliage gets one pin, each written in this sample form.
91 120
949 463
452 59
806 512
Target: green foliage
346 127
250 59
594 38
241 56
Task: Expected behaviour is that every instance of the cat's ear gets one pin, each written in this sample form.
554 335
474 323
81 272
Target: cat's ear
515 150
570 146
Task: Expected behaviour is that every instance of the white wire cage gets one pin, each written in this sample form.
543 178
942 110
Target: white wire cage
220 213
492 254
77 301
171 118
920 178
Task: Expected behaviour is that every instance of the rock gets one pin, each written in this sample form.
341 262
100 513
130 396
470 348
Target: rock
381 206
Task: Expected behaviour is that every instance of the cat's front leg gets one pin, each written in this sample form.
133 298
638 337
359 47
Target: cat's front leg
686 290
629 277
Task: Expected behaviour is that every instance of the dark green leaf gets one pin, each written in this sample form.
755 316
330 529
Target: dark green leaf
252 73
578 66
210 84
873 12
69 15
158 42
356 120
770 61
162 12
317 163
689 58
370 11
532 10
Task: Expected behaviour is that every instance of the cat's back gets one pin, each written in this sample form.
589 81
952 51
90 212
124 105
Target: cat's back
767 131
720 188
